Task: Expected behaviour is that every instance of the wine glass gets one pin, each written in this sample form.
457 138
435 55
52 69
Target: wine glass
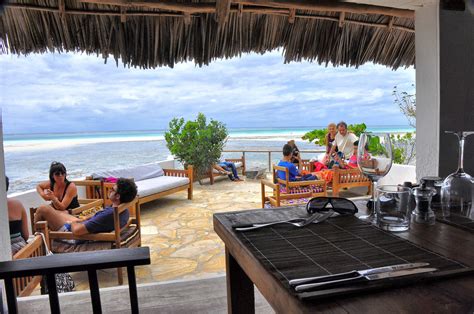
456 191
374 158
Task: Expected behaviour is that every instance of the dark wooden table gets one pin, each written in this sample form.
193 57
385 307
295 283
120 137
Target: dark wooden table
454 295
64 263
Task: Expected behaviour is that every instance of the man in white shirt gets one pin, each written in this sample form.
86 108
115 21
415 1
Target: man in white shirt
344 140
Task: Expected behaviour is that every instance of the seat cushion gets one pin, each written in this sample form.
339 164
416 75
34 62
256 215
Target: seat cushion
160 184
138 173
129 237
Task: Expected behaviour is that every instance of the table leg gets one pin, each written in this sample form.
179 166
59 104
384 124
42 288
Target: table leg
240 291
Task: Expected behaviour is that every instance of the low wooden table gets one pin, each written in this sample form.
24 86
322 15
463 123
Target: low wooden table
454 295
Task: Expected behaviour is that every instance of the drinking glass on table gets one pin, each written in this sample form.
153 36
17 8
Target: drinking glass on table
374 159
393 207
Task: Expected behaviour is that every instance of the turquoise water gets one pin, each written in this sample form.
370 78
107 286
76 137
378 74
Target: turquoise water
28 156
152 134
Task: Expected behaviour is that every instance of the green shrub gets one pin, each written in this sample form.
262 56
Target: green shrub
318 136
196 143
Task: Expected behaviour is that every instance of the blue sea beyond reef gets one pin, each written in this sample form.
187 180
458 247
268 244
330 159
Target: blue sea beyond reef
28 156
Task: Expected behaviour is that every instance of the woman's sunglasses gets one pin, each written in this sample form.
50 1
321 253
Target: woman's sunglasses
59 173
342 206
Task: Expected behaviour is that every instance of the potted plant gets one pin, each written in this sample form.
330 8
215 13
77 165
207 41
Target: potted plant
197 142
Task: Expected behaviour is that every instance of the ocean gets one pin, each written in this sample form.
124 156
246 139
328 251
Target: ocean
28 156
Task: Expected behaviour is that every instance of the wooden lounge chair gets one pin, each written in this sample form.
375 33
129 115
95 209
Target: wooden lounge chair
239 164
24 286
128 236
287 193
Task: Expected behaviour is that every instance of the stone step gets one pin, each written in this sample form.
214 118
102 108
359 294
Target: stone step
184 296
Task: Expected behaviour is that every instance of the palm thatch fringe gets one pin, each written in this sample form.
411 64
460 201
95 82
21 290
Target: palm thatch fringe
148 37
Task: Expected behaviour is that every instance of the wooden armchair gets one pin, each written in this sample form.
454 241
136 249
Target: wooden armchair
128 236
286 192
24 286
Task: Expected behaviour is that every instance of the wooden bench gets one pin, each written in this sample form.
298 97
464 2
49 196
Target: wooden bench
64 263
343 178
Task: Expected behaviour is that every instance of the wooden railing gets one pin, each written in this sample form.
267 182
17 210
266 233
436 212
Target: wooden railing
269 152
49 266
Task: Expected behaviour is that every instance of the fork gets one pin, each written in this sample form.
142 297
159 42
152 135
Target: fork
316 218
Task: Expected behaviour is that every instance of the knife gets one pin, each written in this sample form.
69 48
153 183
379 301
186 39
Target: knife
379 276
357 273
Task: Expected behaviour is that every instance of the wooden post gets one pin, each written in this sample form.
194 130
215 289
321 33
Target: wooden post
269 161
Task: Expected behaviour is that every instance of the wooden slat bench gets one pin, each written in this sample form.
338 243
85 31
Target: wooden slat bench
64 263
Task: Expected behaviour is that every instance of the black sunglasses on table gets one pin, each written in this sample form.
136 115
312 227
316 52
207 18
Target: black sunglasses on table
340 205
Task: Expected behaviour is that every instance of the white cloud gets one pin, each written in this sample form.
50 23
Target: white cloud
252 90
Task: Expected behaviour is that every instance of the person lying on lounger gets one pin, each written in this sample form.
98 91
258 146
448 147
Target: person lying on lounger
223 168
124 191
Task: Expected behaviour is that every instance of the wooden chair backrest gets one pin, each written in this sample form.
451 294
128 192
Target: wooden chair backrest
24 286
277 179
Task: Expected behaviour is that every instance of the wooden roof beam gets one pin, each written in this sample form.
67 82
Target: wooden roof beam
310 5
342 15
291 17
331 6
222 11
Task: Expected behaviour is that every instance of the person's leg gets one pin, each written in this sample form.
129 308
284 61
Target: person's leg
220 169
231 165
55 218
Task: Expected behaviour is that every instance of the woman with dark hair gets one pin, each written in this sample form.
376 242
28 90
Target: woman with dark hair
58 190
18 222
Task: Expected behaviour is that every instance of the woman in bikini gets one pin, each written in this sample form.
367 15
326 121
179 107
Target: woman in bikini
58 190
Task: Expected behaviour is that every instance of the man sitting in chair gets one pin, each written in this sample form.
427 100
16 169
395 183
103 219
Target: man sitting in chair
124 191
295 175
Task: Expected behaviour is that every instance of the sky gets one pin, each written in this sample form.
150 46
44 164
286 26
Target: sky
76 92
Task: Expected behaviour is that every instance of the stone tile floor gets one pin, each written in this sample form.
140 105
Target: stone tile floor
180 233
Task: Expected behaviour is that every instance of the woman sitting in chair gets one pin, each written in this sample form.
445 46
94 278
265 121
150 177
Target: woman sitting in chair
18 223
58 190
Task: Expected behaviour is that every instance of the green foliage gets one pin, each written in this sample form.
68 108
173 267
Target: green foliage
319 135
196 143
357 129
403 148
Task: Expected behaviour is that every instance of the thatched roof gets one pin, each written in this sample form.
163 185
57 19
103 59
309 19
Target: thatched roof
151 33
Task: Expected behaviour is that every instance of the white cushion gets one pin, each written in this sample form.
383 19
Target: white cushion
237 164
160 184
138 173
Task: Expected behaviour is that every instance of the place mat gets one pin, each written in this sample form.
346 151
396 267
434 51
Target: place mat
458 221
340 244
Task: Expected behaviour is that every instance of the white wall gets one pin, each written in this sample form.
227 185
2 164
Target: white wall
399 174
427 90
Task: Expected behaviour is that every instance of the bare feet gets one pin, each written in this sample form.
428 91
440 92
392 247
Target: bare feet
238 179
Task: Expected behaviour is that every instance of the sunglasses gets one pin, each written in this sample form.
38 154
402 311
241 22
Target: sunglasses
340 205
59 173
